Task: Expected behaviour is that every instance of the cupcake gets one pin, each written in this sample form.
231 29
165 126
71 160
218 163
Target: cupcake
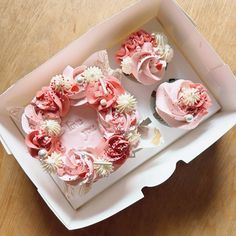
145 56
182 103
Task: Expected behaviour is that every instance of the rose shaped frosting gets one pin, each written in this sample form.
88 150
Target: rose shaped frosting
113 122
118 149
49 104
37 140
147 67
102 94
136 39
77 166
182 103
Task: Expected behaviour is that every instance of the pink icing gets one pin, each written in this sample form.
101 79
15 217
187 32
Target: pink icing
37 140
80 128
113 122
48 104
136 39
169 104
77 167
117 150
147 68
95 93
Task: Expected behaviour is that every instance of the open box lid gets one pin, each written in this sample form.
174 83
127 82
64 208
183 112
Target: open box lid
155 171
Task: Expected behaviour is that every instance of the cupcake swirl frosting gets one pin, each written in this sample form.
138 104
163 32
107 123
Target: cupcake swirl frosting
182 103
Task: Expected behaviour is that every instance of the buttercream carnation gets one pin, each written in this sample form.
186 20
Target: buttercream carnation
126 103
130 45
118 149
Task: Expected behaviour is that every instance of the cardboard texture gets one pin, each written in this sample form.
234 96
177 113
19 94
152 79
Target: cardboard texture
203 63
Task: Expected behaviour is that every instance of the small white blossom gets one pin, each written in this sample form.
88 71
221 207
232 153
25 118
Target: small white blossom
92 73
163 49
52 127
133 137
189 96
60 83
126 65
52 162
103 167
169 53
126 103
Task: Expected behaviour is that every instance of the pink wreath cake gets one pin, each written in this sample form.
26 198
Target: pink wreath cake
80 152
145 56
182 103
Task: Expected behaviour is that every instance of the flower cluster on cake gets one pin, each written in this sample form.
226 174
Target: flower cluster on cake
111 142
145 56
182 103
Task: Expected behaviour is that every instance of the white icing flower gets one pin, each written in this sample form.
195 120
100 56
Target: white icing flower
163 49
189 96
126 103
161 38
92 73
58 82
169 53
52 162
52 127
133 137
126 65
103 168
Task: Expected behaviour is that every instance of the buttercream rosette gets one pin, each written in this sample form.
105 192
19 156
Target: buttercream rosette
93 84
182 103
145 56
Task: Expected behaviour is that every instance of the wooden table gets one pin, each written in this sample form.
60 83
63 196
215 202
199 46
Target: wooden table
199 199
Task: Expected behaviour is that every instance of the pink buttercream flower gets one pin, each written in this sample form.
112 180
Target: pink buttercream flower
37 140
136 39
31 120
182 103
49 104
102 94
70 84
147 67
113 122
77 167
117 150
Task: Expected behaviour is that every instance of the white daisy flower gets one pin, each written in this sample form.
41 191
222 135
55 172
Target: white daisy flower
52 162
126 65
52 127
126 103
92 73
103 167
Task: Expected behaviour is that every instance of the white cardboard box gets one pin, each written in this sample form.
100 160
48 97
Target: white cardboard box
204 60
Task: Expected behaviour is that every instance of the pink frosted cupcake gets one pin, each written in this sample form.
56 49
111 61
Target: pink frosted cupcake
182 103
145 56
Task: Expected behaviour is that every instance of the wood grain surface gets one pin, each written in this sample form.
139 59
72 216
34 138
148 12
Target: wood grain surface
199 199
